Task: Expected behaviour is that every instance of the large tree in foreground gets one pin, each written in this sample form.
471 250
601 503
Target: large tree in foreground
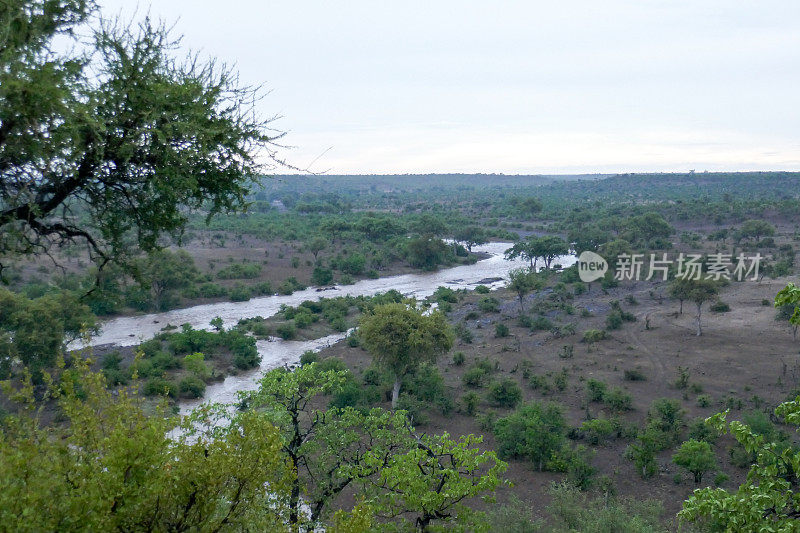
110 143
401 337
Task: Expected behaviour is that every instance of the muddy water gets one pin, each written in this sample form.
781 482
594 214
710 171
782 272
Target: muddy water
127 331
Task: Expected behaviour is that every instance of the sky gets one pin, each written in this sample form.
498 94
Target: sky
525 87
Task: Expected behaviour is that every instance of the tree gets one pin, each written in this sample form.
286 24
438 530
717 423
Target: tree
116 466
679 289
166 271
523 281
421 478
114 145
522 250
401 337
35 331
316 245
697 457
755 229
426 252
701 291
470 236
768 499
548 248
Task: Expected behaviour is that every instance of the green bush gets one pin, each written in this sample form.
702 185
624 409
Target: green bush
286 331
505 393
471 400
720 307
192 387
535 432
475 377
482 289
239 293
595 390
489 304
459 358
618 400
158 386
500 330
634 375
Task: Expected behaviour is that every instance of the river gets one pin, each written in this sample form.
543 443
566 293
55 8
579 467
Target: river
128 331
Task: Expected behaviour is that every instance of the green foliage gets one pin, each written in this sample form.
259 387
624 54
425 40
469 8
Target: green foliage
696 457
240 293
533 432
489 304
191 387
35 331
459 358
101 119
113 466
500 330
401 338
505 393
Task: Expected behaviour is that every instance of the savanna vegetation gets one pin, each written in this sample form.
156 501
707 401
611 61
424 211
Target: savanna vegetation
130 185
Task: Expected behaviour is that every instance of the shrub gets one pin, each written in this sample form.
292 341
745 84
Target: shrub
618 400
482 289
240 293
309 357
463 333
720 307
489 304
534 432
286 331
505 393
471 401
634 375
322 276
474 377
595 390
459 358
192 387
159 386
500 330
613 320
704 400
598 430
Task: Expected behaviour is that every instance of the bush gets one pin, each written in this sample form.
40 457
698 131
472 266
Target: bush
500 330
474 377
489 304
459 358
159 386
505 393
535 431
720 307
239 293
599 430
192 387
482 289
308 357
613 320
595 390
634 375
593 335
286 331
463 333
471 401
618 400
322 276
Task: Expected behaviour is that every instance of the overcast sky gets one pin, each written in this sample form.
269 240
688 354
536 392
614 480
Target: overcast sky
513 87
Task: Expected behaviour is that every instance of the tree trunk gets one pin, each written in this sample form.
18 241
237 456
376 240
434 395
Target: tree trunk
395 392
699 329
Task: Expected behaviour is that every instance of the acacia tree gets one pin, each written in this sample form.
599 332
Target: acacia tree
420 479
112 144
523 281
701 291
401 337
